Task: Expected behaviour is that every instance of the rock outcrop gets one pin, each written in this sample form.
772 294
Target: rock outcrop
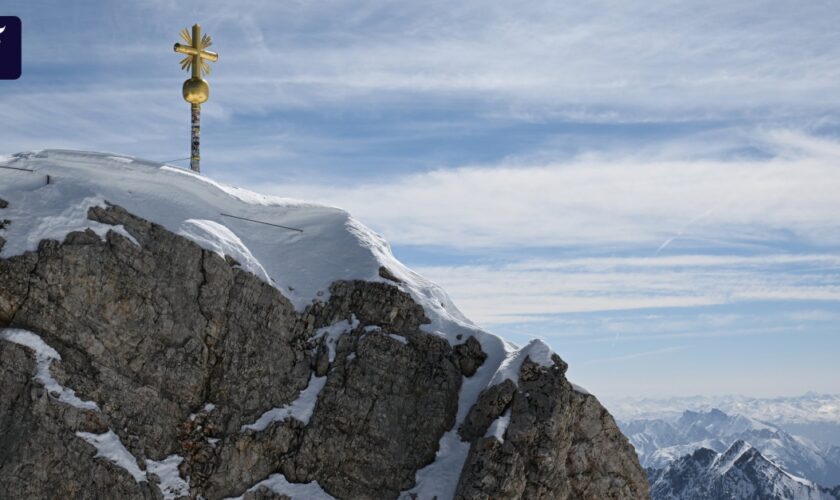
559 443
186 356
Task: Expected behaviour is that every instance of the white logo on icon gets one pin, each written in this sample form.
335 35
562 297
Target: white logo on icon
2 29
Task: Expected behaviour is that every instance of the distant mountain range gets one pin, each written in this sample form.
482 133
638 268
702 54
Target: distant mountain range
809 408
739 472
660 441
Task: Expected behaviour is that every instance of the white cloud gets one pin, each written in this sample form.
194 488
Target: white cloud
489 62
635 355
594 61
609 201
733 225
815 315
629 56
494 295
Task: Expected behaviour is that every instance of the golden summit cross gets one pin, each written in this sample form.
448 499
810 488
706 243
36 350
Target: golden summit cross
196 90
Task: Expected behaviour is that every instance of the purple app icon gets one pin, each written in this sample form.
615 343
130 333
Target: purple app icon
10 47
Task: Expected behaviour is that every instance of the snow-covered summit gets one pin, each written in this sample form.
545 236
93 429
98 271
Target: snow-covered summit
298 247
330 245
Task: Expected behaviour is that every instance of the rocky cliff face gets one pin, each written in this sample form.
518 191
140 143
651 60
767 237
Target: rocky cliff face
154 368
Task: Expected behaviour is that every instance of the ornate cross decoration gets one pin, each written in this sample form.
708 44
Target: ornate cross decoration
196 90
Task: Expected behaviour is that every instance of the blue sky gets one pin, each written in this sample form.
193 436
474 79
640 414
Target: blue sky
652 187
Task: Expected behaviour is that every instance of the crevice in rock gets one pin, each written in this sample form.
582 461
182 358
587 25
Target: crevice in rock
491 403
30 273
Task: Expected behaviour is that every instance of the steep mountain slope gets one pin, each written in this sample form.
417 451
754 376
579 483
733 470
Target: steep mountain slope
659 442
162 335
832 453
739 472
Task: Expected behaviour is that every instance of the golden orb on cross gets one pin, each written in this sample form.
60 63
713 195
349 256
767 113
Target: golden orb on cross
196 90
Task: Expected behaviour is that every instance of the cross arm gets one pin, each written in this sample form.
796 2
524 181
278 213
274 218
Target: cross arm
186 49
210 56
192 51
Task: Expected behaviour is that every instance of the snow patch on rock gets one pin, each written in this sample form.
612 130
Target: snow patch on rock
499 426
333 332
109 447
171 484
296 491
398 338
44 356
301 408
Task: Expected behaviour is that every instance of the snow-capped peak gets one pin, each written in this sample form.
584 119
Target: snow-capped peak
659 442
727 459
739 472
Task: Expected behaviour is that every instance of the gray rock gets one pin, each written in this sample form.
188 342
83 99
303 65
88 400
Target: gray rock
322 358
386 273
380 416
152 333
263 493
3 203
469 356
559 444
244 459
